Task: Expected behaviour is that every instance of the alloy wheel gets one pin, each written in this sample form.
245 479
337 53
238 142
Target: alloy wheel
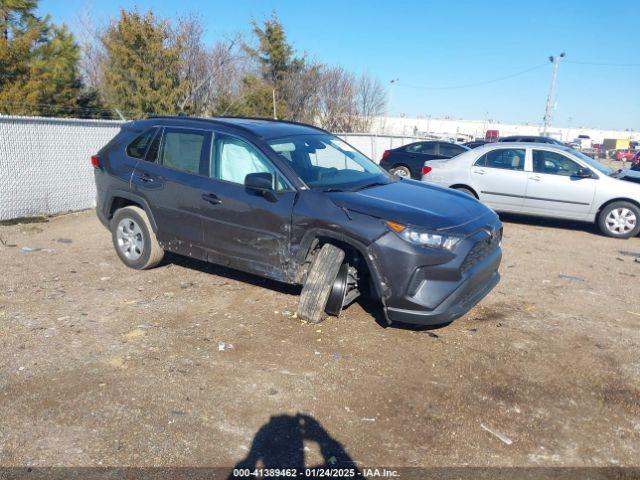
130 239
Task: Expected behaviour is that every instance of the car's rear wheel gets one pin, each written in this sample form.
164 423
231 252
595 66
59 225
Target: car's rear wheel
401 171
320 283
134 240
620 220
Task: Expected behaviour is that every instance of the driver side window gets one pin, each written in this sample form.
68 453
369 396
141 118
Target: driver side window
233 159
553 163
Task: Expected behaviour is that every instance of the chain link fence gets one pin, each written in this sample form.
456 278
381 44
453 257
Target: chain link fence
45 163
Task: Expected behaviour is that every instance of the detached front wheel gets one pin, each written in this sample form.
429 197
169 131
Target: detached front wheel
319 283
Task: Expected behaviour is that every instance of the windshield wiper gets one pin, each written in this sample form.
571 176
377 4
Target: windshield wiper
369 185
334 189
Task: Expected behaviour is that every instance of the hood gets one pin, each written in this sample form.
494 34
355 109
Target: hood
626 174
418 204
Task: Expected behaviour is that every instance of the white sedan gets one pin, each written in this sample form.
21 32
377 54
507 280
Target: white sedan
544 180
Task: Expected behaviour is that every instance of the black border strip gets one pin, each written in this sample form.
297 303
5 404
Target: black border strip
534 198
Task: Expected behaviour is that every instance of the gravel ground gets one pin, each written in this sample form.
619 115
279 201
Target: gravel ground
192 364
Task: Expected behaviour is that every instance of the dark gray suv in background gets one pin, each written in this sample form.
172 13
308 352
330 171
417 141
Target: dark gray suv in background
296 204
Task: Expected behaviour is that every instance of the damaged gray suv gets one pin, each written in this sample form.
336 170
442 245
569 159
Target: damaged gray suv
296 204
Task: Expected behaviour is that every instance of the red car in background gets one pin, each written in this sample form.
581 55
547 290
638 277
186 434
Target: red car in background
625 155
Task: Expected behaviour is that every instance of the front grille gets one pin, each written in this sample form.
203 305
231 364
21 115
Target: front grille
481 249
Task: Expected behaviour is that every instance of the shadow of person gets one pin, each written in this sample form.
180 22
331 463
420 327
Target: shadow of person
280 443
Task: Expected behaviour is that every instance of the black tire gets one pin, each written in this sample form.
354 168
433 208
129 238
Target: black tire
465 190
319 282
607 220
401 171
151 252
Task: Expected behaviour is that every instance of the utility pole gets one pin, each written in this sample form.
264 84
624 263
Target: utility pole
551 99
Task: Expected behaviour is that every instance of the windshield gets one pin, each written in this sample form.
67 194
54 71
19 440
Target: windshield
592 162
325 162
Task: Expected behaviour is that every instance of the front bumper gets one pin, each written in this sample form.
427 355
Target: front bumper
428 287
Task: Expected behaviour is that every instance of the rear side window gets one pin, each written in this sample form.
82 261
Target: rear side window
138 147
424 148
504 158
182 150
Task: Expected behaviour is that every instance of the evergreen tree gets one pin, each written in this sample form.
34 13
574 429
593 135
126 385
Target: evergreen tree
38 63
142 70
275 56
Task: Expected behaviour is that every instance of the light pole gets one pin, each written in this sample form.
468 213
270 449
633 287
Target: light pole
392 82
552 91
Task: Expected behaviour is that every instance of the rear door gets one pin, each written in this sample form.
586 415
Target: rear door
243 228
171 179
418 153
499 178
553 187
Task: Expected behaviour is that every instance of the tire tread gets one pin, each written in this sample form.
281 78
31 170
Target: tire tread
317 287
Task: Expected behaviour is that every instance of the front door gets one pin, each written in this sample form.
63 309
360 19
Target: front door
554 188
500 180
171 181
243 228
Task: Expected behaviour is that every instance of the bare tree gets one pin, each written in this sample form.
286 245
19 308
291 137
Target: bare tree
213 74
336 106
371 101
301 92
91 49
194 61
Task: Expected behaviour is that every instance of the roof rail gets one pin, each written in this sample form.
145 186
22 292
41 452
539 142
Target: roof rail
213 121
220 121
274 120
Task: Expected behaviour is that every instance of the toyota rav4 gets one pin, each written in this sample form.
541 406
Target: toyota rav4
294 203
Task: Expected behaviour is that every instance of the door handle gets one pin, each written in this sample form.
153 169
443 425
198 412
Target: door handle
479 172
212 198
145 178
535 178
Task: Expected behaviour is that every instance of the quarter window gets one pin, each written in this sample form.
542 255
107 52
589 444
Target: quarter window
554 164
152 151
138 147
182 150
504 158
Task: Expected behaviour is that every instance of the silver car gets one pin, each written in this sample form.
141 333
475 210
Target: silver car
545 180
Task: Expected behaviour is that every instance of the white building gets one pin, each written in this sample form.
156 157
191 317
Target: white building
471 129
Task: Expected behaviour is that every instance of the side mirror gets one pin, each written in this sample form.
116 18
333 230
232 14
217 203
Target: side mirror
584 173
261 182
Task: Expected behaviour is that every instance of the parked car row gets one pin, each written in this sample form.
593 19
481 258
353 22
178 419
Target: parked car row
407 161
543 180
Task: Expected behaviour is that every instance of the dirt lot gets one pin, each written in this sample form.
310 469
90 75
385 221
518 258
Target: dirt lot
192 364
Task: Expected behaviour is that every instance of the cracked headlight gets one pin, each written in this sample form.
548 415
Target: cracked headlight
424 237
